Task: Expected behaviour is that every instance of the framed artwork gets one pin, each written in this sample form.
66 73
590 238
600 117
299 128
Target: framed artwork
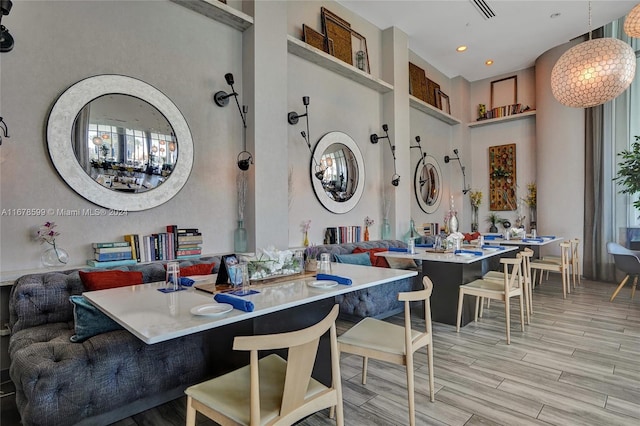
314 38
443 102
335 29
432 86
226 262
417 82
504 91
502 178
360 52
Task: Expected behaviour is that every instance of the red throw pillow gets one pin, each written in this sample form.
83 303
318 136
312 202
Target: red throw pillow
378 261
101 280
199 269
471 237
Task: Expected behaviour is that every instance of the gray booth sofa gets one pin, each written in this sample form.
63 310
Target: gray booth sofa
114 375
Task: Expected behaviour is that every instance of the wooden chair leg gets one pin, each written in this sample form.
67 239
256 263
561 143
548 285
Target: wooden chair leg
460 298
432 391
477 306
411 390
633 288
191 413
622 283
365 363
522 313
564 286
507 319
482 305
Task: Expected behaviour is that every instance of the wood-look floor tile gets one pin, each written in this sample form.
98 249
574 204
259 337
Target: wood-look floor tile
567 363
611 384
575 416
515 368
627 408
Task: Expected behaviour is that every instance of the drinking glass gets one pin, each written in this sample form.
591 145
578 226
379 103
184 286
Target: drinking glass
325 264
239 276
173 275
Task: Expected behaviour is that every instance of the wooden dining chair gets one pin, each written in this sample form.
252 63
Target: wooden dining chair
574 261
541 265
511 286
373 338
272 391
527 283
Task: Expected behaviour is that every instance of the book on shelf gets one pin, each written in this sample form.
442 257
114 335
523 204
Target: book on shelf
342 234
111 244
132 239
197 251
430 229
105 264
113 249
123 255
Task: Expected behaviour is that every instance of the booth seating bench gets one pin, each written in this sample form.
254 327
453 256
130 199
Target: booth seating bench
114 375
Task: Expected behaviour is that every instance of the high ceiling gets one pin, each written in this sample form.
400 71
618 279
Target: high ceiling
519 32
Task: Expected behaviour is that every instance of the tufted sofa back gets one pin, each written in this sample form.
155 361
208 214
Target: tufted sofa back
349 247
38 299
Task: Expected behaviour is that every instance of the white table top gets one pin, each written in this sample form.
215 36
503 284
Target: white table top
423 254
526 242
154 316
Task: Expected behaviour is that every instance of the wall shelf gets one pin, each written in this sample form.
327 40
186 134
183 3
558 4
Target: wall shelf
219 11
421 105
318 57
520 116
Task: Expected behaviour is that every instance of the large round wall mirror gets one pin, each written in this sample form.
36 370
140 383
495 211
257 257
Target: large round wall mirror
120 143
337 172
428 184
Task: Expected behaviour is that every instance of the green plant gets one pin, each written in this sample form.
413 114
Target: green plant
629 171
493 218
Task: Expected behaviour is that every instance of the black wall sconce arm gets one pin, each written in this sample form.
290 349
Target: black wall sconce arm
464 177
6 39
422 153
395 179
293 118
221 98
4 129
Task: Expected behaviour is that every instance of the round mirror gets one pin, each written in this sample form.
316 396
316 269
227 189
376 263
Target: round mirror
337 172
428 185
115 140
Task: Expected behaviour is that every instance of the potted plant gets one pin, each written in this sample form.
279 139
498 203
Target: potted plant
494 219
628 176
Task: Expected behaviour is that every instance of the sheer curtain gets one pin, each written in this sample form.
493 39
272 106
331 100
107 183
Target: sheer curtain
608 214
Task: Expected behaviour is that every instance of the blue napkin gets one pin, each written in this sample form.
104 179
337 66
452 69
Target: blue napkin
424 245
337 278
184 281
486 246
532 240
246 293
477 253
236 302
170 289
399 249
491 237
553 237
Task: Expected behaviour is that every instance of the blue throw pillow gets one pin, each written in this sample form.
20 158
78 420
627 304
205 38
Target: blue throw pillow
89 320
354 259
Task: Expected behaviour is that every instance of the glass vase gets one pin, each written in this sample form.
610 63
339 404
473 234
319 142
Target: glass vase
412 234
240 238
54 256
453 223
474 219
306 239
386 229
532 218
366 233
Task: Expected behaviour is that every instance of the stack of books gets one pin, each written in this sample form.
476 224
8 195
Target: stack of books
188 241
113 253
430 229
342 234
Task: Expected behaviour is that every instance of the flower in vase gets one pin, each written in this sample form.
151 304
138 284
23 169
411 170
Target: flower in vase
476 198
368 221
305 226
532 195
47 233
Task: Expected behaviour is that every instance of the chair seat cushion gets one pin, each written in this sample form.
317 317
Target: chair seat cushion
354 259
376 335
229 394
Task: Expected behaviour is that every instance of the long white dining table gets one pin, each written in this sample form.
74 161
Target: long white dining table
154 316
533 243
448 271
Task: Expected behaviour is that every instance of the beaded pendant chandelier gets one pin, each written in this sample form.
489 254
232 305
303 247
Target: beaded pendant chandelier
632 22
593 72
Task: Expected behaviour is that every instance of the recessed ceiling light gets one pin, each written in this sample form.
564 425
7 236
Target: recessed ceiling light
461 48
555 15
488 62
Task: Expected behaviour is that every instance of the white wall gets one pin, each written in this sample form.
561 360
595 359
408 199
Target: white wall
183 54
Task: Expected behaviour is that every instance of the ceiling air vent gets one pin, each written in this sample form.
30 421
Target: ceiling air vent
484 9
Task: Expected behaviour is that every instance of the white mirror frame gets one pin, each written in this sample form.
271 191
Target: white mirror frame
428 159
60 128
322 145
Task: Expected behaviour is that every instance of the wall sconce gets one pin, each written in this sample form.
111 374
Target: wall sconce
395 179
6 39
4 129
464 178
422 154
293 118
221 98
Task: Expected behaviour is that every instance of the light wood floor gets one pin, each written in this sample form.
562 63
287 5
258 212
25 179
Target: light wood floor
578 363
